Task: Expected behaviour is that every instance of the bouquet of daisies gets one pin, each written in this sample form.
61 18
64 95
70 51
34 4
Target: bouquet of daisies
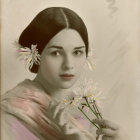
87 97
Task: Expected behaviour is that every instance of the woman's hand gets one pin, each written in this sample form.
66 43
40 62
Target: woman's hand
61 117
109 130
57 114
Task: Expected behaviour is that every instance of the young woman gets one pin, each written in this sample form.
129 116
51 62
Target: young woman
57 39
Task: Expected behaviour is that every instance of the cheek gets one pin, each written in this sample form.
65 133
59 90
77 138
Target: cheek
80 64
49 67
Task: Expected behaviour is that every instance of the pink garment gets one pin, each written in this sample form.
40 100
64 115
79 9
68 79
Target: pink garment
81 119
28 102
21 132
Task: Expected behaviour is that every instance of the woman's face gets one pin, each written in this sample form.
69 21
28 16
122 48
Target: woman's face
63 59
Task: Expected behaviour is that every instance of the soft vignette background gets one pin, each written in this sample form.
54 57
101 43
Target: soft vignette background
113 27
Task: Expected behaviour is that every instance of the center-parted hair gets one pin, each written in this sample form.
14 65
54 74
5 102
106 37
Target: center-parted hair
47 24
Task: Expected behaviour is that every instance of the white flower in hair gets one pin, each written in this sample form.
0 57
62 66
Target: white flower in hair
90 60
29 56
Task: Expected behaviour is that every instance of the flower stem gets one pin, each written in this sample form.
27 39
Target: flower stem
88 117
97 109
91 108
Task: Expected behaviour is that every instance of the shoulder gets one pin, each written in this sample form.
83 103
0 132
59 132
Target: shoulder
17 89
24 99
22 105
24 89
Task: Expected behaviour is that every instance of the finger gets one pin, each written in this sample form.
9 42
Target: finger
60 117
69 129
66 127
49 112
51 106
106 124
107 132
53 109
104 137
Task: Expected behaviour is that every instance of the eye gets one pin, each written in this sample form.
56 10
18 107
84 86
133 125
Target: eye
55 53
78 52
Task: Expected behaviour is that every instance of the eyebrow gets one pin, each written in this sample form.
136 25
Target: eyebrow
56 47
79 47
59 47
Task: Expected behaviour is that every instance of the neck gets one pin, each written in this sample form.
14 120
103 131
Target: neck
56 93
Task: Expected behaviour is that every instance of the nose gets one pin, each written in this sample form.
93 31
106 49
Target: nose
68 63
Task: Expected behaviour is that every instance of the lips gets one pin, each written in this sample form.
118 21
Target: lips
67 76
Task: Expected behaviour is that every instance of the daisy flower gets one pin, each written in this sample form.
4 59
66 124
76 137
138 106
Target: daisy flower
86 97
72 100
89 90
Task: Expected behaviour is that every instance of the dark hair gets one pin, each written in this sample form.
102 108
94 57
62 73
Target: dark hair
47 24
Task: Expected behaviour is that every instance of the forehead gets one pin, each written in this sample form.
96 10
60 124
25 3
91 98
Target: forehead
67 37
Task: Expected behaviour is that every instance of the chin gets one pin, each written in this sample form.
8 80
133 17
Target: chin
67 85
